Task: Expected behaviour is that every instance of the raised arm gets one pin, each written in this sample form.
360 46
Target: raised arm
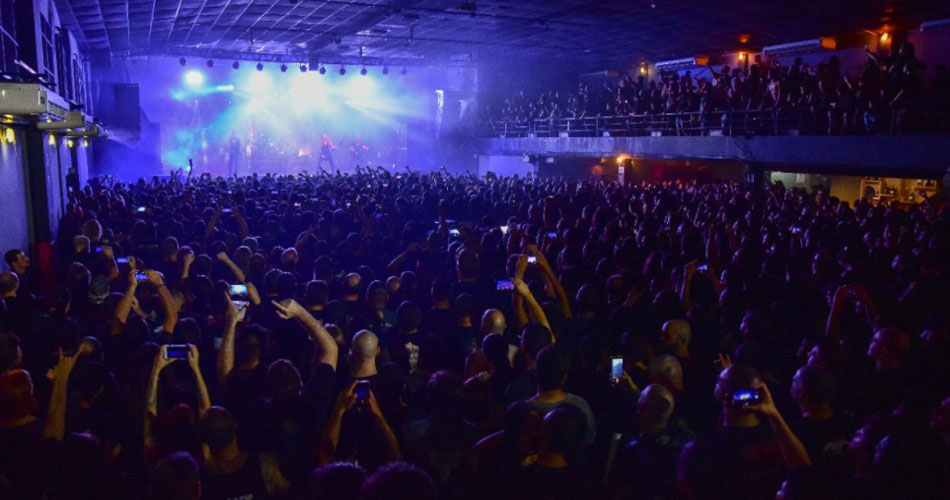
238 273
535 312
55 425
151 398
211 224
225 362
551 280
124 308
170 318
186 262
793 451
290 309
204 401
330 439
242 222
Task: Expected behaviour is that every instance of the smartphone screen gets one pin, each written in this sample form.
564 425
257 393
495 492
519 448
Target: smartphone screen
552 234
97 249
141 276
122 260
226 211
176 351
616 369
702 267
453 232
504 285
532 259
504 229
362 389
140 210
745 398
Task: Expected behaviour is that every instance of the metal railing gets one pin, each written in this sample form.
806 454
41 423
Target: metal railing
917 119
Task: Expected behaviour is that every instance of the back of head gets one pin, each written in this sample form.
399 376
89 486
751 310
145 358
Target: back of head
534 337
737 377
316 293
217 428
495 347
554 362
655 406
465 306
666 369
399 481
467 264
8 283
408 316
699 473
282 381
365 345
175 477
493 321
337 481
562 430
814 385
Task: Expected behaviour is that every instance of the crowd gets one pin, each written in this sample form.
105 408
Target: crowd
429 336
888 96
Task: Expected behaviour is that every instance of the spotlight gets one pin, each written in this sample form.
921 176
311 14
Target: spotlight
182 61
884 36
283 68
323 70
9 135
385 70
404 71
52 140
303 68
260 66
363 71
194 78
342 70
210 63
85 143
70 143
236 65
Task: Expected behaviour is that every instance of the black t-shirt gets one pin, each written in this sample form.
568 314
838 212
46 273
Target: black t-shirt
21 465
245 399
752 459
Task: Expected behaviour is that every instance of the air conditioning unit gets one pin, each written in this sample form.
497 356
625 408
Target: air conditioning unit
32 99
680 64
802 47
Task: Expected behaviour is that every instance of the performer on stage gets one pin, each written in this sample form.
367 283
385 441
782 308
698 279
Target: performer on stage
326 152
357 149
234 154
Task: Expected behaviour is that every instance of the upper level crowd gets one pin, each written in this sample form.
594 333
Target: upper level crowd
428 336
887 96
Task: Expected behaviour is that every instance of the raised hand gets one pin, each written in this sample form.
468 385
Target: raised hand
767 406
521 266
234 314
154 278
521 287
193 356
289 309
347 398
223 257
160 361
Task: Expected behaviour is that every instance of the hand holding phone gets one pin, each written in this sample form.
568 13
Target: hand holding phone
362 390
616 369
176 351
239 292
141 276
505 285
745 398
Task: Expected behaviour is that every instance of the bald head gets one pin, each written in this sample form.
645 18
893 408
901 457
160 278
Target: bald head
365 345
675 336
666 370
654 407
493 321
352 280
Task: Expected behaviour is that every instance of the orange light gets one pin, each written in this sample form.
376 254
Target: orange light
742 56
643 70
621 159
884 36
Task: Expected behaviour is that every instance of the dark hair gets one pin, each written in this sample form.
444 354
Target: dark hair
9 345
337 481
408 316
316 293
175 477
11 256
217 428
399 481
534 337
554 362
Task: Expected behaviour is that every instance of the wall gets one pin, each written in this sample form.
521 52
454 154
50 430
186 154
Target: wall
14 221
504 165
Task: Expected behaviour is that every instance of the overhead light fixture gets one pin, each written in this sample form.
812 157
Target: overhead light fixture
52 140
236 65
85 143
342 70
303 68
385 70
70 143
210 63
283 68
9 135
260 66
323 70
742 56
363 71
404 71
182 61
884 36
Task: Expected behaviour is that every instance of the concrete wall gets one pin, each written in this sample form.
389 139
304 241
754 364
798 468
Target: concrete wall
922 156
504 165
14 219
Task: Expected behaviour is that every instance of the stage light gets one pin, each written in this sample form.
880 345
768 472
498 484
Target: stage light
182 61
260 67
283 68
70 143
342 70
52 140
363 71
85 143
742 56
323 70
9 135
194 78
210 63
236 65
404 71
385 70
884 36
303 68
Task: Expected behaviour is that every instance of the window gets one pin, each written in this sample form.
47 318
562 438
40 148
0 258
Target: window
46 40
8 43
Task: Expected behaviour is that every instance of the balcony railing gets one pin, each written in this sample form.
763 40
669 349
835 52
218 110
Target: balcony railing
916 119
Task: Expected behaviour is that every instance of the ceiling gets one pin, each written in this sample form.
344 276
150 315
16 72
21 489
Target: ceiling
609 32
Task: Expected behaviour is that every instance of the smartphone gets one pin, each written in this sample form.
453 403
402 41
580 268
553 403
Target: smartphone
140 210
241 306
97 249
532 259
504 285
454 232
176 351
297 204
796 229
238 292
274 193
226 211
702 267
141 276
362 389
616 369
552 234
122 260
745 398
504 229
